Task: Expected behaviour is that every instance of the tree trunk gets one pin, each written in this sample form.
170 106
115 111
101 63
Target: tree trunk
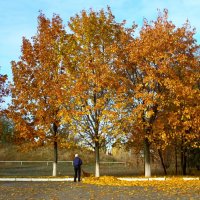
183 161
147 162
97 160
55 161
176 160
162 161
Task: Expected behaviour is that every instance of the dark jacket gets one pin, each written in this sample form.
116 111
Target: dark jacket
77 162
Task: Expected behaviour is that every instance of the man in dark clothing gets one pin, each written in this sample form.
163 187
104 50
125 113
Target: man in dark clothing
77 168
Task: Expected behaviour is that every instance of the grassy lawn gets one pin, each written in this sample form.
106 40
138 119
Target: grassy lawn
63 169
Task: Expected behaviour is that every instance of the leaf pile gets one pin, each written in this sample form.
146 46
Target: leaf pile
171 187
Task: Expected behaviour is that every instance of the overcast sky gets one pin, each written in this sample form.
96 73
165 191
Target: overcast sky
19 18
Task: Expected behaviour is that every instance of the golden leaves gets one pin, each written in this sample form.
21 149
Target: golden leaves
103 180
99 78
163 74
111 180
170 187
40 86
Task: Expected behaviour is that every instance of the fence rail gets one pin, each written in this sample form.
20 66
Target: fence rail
35 161
60 161
44 167
109 163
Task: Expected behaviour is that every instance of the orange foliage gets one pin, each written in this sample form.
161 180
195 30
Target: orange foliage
164 79
41 82
107 83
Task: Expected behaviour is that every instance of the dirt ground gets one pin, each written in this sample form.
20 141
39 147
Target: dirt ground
72 191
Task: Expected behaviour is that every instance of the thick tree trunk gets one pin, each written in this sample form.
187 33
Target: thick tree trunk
147 162
162 161
97 160
55 161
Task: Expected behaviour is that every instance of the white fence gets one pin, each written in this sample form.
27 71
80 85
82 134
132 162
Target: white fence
43 168
35 161
60 161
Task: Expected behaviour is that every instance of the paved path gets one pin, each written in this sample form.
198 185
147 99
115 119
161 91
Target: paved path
71 179
16 190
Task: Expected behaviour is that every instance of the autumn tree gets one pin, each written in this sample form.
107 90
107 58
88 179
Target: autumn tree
6 130
4 91
162 84
41 85
96 35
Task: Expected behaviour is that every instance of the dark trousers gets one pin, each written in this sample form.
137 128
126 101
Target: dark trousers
77 173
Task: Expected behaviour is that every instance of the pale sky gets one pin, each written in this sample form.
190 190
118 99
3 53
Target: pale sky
19 18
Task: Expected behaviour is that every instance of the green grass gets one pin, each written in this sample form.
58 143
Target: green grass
63 169
9 152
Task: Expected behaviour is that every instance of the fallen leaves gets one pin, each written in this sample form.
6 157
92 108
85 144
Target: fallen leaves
170 187
105 187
